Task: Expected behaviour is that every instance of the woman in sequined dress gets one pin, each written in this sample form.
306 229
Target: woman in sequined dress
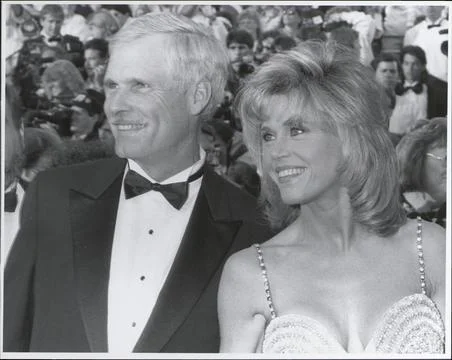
348 272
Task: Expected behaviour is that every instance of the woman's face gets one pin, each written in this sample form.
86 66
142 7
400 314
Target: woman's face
299 155
435 173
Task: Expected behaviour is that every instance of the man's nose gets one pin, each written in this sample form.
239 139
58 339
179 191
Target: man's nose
116 101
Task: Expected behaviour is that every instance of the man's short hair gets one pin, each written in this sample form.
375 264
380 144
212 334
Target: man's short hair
53 10
384 57
192 51
240 36
100 45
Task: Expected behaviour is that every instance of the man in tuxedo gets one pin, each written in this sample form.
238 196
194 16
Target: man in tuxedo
125 254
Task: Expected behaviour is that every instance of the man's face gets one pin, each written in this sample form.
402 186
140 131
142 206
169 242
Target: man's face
412 68
92 60
387 74
237 51
146 108
51 25
434 12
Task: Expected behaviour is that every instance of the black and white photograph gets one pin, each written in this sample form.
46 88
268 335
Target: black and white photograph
225 179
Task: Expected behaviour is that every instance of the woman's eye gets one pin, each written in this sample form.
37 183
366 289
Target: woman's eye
267 136
294 131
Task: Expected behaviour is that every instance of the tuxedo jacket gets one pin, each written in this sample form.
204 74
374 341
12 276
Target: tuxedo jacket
57 275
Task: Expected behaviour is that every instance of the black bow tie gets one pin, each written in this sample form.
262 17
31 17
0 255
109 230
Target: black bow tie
54 38
400 89
10 201
175 193
433 26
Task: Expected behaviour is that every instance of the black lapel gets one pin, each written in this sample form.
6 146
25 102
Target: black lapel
209 235
93 215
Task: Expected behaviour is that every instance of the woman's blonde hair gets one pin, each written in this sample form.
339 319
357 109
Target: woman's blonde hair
330 80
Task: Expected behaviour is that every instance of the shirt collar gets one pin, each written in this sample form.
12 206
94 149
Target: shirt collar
438 21
181 176
410 83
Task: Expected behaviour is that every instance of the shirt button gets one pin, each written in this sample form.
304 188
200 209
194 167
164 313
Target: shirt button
151 232
134 324
142 278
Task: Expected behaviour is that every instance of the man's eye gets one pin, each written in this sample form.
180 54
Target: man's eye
140 85
110 85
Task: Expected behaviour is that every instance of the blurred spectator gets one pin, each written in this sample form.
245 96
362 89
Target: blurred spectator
249 20
87 115
14 158
411 93
270 17
268 46
397 19
432 36
121 12
363 23
387 74
207 16
422 155
283 43
96 56
240 49
139 9
347 37
292 23
74 24
102 25
47 47
64 92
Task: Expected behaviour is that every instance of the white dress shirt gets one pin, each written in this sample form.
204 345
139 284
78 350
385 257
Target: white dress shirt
11 223
409 107
147 235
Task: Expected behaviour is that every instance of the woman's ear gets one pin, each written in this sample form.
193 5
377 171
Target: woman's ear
198 96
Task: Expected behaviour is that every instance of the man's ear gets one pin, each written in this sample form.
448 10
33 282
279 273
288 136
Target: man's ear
198 96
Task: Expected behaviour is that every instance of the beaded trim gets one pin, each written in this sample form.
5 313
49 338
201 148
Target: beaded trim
420 254
260 257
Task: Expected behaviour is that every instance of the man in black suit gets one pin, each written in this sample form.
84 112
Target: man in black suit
125 255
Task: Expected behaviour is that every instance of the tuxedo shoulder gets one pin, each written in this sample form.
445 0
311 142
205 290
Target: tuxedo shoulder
73 173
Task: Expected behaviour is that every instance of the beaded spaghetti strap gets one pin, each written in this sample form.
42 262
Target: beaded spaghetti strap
266 282
420 254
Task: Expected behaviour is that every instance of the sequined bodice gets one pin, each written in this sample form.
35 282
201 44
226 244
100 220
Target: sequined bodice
411 325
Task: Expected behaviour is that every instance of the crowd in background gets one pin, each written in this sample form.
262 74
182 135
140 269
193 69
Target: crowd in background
57 57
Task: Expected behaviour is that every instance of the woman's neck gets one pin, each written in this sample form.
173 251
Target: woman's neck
331 222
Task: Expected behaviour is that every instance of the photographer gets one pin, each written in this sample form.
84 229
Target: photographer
65 103
50 45
240 50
